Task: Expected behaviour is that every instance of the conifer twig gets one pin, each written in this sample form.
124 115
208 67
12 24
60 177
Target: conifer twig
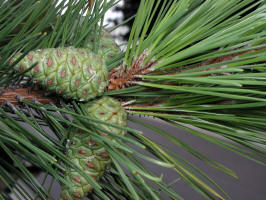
117 79
11 95
120 78
123 78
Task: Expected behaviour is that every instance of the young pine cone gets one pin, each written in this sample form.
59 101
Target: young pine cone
108 48
89 156
73 73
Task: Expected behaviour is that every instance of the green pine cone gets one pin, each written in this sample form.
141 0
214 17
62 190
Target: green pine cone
108 110
108 48
89 156
73 73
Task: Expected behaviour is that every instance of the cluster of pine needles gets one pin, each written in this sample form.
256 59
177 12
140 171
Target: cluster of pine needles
199 65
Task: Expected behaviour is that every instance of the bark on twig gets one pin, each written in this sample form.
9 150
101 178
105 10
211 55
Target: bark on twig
11 95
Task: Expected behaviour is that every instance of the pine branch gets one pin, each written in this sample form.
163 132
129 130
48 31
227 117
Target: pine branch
200 68
123 79
14 96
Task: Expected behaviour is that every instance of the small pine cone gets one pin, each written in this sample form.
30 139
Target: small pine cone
89 156
73 73
108 47
108 110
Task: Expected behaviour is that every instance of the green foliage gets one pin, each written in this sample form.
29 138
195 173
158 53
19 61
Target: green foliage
185 86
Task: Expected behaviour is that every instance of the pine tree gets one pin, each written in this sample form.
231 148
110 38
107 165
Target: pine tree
195 64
